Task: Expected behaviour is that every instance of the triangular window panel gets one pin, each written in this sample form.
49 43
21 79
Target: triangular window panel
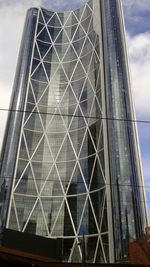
47 68
98 202
84 147
77 184
60 76
93 128
58 219
87 168
69 68
62 17
26 184
40 74
20 169
99 99
48 56
66 153
91 148
44 36
84 93
68 227
77 139
86 24
76 256
71 55
55 141
24 206
30 97
97 178
54 207
40 28
79 73
41 171
43 99
100 255
71 20
65 170
52 186
32 140
76 205
88 224
56 125
34 123
79 36
36 223
78 46
68 98
48 16
43 152
87 47
41 20
61 50
23 152
78 121
54 21
38 88
55 33
77 87
43 48
30 107
35 64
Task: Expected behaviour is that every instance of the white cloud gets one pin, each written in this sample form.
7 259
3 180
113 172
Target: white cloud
139 55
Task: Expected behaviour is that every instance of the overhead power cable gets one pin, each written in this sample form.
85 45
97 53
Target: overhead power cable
76 116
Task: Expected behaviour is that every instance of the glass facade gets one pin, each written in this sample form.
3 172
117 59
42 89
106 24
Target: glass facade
62 173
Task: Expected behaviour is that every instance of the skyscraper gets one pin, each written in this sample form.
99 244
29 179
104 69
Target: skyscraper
70 159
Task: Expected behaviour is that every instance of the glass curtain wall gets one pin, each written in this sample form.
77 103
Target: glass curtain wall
58 186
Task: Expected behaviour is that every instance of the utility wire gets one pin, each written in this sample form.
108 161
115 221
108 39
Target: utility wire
76 182
76 116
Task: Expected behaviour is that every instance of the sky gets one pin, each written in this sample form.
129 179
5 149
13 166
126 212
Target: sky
137 22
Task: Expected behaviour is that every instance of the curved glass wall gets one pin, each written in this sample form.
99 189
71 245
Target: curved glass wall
59 178
128 201
65 171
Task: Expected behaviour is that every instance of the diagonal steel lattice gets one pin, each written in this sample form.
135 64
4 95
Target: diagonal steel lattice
59 188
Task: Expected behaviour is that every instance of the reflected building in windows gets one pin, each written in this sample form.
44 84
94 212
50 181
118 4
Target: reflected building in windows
66 170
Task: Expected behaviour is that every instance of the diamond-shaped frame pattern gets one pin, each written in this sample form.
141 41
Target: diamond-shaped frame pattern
60 188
